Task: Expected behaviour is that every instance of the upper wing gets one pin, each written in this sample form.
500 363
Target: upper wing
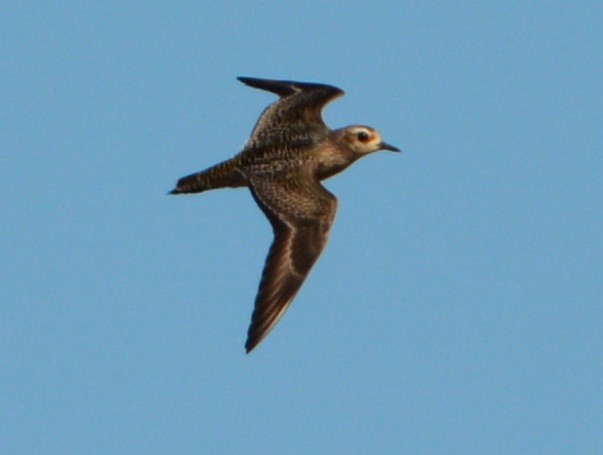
301 212
298 108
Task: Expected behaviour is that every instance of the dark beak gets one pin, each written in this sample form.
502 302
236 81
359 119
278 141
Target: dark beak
386 146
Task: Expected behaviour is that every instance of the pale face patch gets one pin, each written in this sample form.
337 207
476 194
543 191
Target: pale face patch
362 139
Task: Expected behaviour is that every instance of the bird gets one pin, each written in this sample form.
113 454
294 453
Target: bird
289 152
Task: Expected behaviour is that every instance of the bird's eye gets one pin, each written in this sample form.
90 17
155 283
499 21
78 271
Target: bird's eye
362 136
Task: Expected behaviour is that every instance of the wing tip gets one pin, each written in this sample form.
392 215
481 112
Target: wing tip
286 87
255 335
278 87
248 349
245 79
252 343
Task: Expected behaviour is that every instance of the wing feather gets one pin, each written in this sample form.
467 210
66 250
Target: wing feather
298 109
300 236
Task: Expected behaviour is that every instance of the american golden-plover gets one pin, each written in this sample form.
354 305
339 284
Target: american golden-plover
289 152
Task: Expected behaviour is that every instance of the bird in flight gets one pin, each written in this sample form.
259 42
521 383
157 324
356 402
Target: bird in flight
289 152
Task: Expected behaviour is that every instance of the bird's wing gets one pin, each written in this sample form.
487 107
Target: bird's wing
301 212
297 110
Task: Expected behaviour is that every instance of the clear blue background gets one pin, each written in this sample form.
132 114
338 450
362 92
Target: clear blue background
457 308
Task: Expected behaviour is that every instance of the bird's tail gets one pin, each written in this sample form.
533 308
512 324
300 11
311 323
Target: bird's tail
221 175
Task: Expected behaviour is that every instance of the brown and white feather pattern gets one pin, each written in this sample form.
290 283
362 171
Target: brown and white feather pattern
301 212
297 114
289 152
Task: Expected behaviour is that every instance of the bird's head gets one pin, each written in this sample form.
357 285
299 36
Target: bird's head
363 140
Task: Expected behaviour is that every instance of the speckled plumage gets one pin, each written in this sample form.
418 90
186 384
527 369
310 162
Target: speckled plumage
289 152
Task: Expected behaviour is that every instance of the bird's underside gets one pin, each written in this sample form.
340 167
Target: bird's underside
276 165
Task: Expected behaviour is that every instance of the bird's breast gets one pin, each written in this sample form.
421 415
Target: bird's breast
331 161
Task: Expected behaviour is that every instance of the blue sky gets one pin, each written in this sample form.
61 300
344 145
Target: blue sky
457 307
